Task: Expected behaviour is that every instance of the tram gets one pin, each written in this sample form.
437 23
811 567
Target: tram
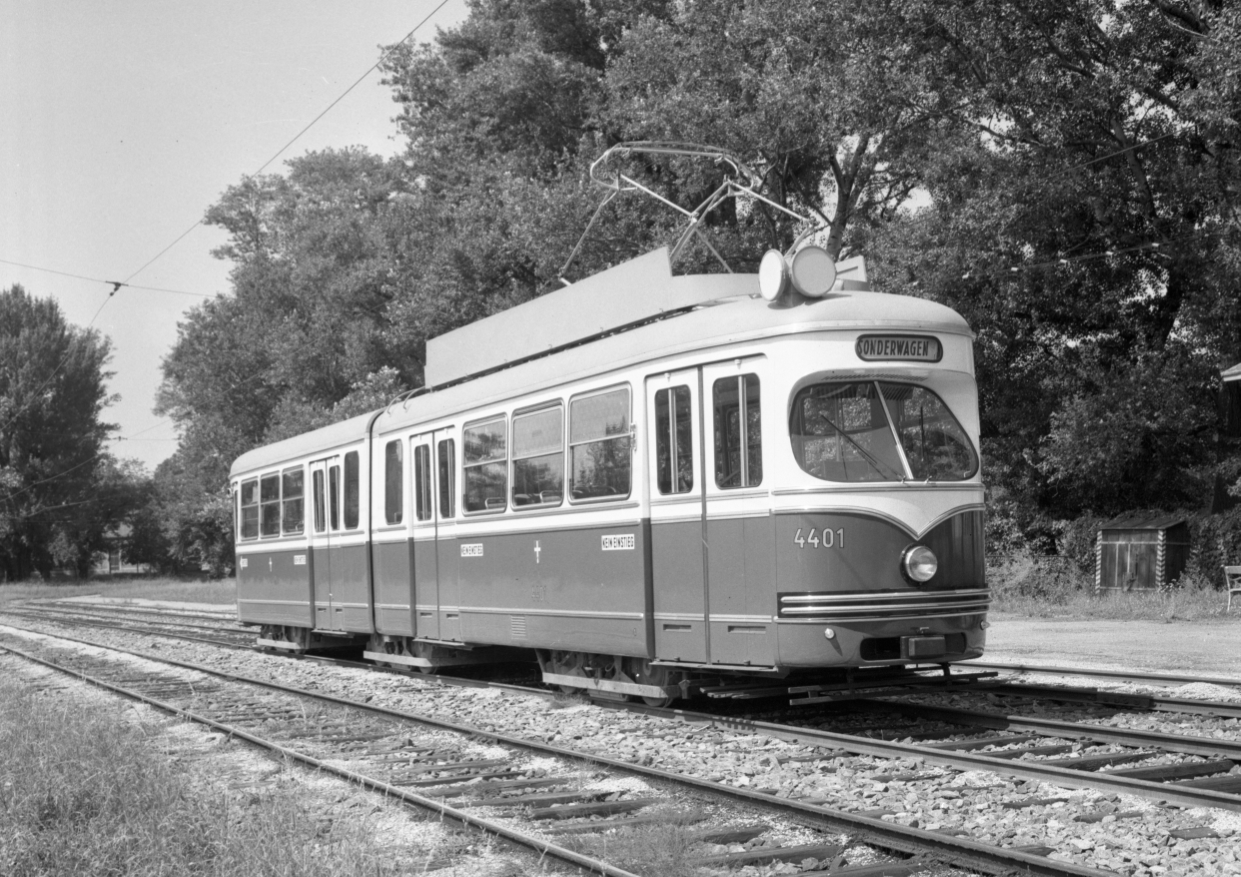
642 480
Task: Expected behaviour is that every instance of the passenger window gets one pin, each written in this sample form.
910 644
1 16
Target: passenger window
269 505
352 498
738 432
674 439
485 466
292 490
333 495
394 482
422 482
319 517
600 448
448 468
250 509
538 458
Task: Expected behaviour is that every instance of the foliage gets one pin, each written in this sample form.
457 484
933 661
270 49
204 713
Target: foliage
60 494
1064 174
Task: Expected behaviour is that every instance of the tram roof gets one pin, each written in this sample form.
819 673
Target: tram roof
726 309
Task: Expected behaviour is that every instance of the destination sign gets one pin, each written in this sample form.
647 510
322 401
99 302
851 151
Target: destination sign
909 348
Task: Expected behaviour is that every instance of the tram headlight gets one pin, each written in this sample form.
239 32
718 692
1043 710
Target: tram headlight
919 563
773 276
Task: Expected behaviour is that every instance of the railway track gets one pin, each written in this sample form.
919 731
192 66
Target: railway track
1048 755
462 782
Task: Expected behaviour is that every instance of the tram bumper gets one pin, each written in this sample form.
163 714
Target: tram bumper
827 643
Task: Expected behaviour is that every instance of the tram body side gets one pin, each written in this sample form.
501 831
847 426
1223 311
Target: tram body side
758 568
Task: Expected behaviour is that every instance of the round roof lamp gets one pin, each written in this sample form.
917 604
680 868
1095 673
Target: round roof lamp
773 276
813 272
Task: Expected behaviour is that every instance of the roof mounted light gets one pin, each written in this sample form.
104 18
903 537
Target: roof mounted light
773 276
813 271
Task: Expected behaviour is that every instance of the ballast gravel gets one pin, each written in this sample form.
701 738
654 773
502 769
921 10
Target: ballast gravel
1124 834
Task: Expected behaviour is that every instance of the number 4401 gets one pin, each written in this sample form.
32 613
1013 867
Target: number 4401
829 538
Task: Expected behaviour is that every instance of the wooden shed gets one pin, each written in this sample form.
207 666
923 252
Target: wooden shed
1140 552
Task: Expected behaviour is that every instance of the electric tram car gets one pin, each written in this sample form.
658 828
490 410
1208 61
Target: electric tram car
639 481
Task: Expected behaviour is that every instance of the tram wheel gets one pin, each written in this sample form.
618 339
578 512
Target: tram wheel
641 671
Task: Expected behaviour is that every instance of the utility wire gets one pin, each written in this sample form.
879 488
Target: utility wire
279 152
117 285
113 283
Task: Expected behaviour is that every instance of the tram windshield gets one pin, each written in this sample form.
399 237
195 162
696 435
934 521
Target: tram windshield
878 431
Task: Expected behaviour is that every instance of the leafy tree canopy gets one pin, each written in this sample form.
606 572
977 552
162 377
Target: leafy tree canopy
1065 174
59 492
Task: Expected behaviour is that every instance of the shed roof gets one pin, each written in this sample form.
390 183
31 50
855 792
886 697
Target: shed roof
1231 374
1143 521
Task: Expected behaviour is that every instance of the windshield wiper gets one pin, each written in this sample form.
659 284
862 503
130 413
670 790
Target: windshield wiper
878 466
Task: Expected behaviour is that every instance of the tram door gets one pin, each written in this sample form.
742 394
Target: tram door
678 544
325 533
426 565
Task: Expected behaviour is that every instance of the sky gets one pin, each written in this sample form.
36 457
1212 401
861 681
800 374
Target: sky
122 121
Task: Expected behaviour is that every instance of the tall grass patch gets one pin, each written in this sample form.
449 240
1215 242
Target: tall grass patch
1044 587
88 791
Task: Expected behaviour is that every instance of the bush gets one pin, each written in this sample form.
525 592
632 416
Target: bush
1020 579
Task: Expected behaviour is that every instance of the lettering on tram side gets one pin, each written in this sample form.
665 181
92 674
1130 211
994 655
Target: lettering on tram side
827 538
473 550
299 560
244 562
913 348
623 542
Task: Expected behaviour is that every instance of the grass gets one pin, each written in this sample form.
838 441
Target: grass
1056 588
221 592
665 848
84 791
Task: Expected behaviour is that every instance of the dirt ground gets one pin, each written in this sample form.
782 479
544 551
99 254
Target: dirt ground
1208 648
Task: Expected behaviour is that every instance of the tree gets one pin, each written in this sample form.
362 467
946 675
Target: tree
52 394
1081 217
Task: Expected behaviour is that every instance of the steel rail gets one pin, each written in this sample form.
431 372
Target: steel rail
1123 675
540 846
1073 779
132 617
1101 697
1136 738
82 622
889 835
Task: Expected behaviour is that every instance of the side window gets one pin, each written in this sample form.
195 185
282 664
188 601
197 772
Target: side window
293 489
269 505
422 482
738 432
538 458
485 466
674 437
352 493
448 470
320 520
333 497
394 483
600 449
250 509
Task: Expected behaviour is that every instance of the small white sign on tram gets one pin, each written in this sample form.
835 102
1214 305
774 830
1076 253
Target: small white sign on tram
299 560
472 550
622 542
908 348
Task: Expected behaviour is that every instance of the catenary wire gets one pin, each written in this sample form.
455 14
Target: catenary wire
117 285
